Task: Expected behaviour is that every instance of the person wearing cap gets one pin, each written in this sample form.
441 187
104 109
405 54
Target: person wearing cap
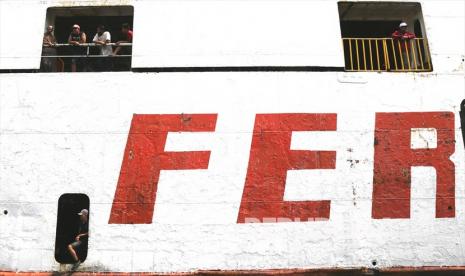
403 37
76 37
81 237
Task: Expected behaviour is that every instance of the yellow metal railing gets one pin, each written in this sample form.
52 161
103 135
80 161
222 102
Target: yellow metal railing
386 54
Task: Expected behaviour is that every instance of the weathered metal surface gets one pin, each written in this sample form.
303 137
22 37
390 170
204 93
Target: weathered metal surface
209 174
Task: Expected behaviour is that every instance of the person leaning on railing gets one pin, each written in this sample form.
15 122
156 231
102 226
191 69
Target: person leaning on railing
123 63
76 37
48 64
403 37
127 38
102 38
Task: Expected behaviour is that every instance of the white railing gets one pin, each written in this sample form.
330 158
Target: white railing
88 46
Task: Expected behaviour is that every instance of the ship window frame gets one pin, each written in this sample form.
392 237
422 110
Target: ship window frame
367 49
90 60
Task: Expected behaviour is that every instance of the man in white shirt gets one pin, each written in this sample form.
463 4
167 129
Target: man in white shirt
102 38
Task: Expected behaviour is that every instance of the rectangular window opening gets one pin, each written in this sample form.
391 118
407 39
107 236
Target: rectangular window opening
69 226
104 34
374 40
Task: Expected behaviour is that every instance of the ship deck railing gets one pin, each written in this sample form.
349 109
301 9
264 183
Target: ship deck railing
55 57
87 46
386 54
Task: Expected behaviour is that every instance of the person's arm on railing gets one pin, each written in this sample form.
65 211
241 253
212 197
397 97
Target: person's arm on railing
72 42
409 36
105 42
128 40
118 49
102 42
399 35
121 41
48 41
396 35
82 39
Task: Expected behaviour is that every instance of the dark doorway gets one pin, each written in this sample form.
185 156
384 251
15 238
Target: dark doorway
69 205
89 59
369 29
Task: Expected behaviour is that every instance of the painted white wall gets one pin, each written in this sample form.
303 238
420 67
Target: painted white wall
21 31
202 33
186 33
445 28
66 139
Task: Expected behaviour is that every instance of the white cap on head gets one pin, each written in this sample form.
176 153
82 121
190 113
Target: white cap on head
403 24
76 26
83 212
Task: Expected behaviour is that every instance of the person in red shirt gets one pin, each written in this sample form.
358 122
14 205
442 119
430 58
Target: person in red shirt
403 37
123 63
127 38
